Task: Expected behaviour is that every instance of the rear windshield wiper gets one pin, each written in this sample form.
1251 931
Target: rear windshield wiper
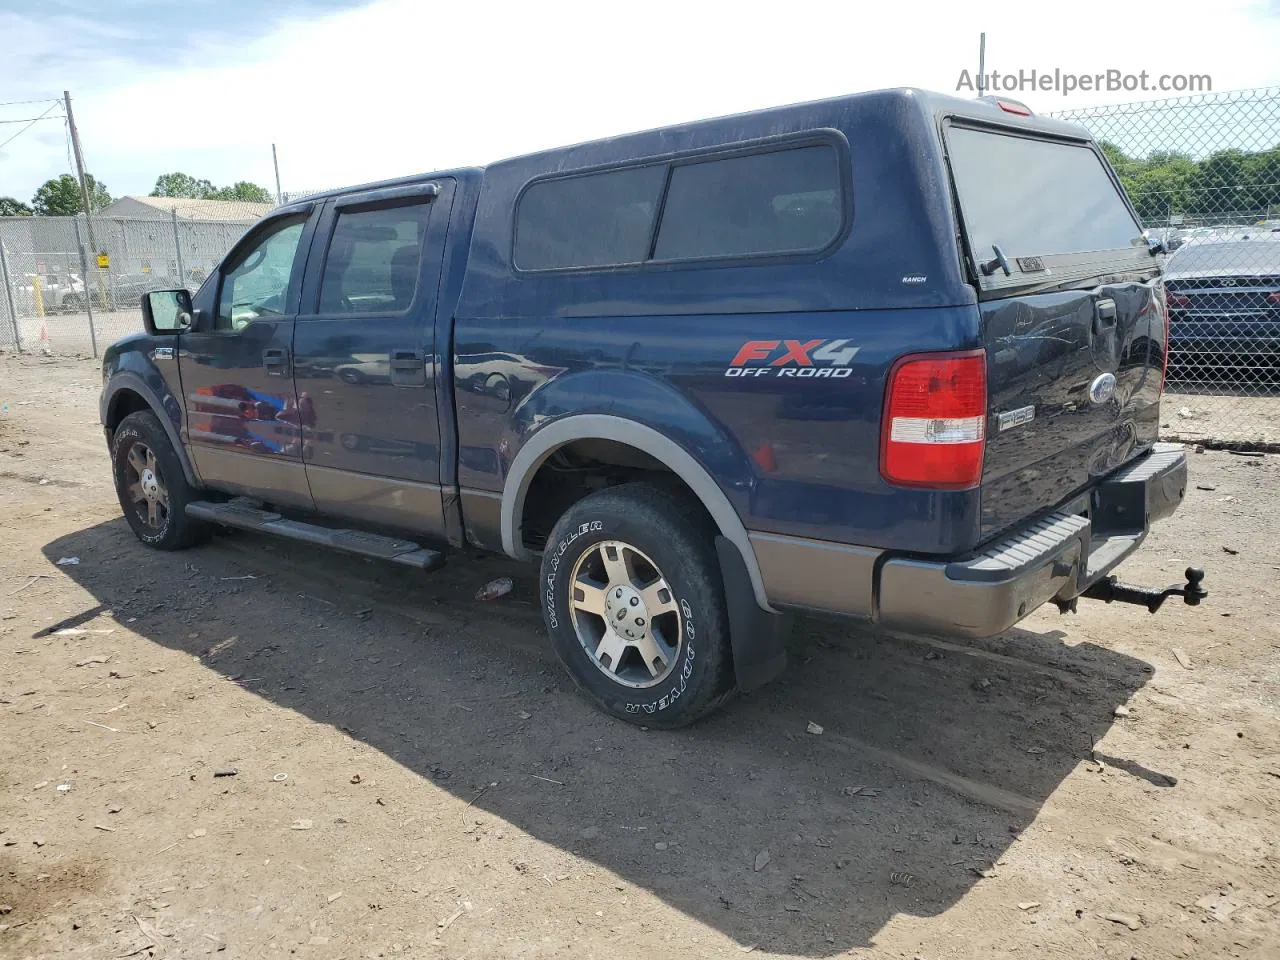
999 260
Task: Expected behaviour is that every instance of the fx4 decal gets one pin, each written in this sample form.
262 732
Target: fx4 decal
793 358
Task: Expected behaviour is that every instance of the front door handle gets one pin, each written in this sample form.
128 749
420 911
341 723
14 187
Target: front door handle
405 361
275 360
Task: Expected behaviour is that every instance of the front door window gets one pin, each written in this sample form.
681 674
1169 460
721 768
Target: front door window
258 285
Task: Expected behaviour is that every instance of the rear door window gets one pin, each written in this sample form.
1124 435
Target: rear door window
372 265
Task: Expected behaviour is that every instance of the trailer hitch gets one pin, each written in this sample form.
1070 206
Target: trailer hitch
1111 590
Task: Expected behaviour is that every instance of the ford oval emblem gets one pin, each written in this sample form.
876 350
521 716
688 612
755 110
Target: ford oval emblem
1103 388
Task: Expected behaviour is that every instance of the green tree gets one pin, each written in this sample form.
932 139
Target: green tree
1220 185
60 197
10 207
182 185
1160 190
244 191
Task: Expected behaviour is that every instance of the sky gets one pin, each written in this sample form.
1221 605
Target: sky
352 92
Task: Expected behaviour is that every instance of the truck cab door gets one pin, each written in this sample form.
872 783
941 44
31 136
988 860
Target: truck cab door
243 420
364 357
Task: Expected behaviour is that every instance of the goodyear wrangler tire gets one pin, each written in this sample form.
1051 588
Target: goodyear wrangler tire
633 599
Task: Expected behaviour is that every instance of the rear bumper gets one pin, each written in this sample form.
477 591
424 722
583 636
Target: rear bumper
1055 558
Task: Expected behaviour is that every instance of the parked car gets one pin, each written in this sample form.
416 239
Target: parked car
59 292
127 289
1223 298
677 371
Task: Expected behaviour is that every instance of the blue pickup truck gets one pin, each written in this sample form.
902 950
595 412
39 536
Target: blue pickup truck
896 356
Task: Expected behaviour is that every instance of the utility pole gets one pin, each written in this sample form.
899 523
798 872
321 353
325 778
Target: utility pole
88 222
982 64
276 163
84 182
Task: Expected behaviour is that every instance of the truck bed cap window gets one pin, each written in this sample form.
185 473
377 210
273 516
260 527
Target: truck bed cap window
784 200
1036 198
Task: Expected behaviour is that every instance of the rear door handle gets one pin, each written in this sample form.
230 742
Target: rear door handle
275 360
407 368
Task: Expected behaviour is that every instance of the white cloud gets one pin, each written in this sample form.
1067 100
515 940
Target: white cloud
401 86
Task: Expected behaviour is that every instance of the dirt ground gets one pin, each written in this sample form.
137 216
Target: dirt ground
415 776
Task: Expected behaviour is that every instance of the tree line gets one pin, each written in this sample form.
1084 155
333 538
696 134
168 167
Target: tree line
61 196
1226 185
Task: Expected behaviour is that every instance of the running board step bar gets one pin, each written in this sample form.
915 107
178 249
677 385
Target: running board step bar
244 516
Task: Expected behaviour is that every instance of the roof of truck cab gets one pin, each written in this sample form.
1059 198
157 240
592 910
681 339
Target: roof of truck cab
458 173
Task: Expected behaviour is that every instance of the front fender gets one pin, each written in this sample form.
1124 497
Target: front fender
155 392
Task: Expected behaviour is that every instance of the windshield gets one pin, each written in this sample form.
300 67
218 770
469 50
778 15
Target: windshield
1036 198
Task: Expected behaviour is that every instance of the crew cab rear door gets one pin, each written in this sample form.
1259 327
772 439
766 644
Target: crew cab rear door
1070 318
364 351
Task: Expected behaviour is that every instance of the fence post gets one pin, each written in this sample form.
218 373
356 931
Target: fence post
177 245
8 295
88 298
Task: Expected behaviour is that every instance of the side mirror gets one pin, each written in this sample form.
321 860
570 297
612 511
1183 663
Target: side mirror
166 312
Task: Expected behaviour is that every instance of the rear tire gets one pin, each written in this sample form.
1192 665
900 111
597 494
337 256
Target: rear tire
634 602
151 485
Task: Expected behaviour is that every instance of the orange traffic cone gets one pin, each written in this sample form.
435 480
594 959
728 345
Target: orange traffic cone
45 348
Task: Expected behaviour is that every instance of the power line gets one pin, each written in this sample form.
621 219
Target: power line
32 119
53 106
15 103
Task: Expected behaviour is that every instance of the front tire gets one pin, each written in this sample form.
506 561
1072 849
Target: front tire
151 486
633 599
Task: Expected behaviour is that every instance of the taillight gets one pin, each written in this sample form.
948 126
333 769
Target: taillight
1177 300
935 421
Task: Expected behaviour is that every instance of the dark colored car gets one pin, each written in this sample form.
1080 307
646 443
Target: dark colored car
895 356
1224 309
128 289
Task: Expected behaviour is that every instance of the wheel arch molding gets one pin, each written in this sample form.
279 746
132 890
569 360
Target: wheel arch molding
544 442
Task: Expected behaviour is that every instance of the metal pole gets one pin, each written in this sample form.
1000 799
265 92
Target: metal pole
276 163
8 296
982 64
177 245
88 300
84 182
88 205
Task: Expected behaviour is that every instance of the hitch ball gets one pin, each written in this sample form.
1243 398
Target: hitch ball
1194 591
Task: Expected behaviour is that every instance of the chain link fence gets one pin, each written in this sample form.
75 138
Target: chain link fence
57 271
1204 175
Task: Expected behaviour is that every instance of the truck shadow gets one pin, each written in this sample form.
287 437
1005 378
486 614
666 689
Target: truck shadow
932 760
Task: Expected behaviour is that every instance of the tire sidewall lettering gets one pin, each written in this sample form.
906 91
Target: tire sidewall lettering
591 526
663 697
123 440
